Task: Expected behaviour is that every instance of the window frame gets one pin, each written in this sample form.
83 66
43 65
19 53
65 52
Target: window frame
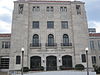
18 59
35 24
64 24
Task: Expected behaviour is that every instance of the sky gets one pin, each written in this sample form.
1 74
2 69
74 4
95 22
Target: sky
92 11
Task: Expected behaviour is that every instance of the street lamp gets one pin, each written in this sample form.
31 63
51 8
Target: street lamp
86 49
22 50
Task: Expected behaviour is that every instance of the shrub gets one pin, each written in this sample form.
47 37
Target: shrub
66 68
96 69
25 69
79 67
39 68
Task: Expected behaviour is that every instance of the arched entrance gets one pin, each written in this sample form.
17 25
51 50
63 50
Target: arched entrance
67 61
35 62
51 63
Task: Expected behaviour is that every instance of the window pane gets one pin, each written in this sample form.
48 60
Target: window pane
78 9
50 39
35 40
50 24
64 24
35 24
83 58
18 58
93 59
99 44
92 45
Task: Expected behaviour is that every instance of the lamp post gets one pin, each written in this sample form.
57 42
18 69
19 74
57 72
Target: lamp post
86 49
22 50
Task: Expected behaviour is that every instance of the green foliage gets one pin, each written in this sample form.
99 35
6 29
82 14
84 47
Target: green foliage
39 68
66 68
25 69
96 69
79 67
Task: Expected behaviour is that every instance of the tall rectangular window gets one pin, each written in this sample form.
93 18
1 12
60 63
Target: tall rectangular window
83 56
49 9
50 24
35 24
92 45
5 44
99 44
64 24
78 9
93 59
18 59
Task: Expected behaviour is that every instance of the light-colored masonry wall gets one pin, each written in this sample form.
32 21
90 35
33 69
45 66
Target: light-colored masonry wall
96 50
22 32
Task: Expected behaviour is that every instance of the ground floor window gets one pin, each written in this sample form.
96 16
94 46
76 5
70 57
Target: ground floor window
93 59
4 63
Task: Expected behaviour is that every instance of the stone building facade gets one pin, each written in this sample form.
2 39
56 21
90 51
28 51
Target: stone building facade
95 48
53 34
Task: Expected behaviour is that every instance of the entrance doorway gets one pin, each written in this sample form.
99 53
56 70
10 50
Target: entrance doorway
51 63
67 61
35 62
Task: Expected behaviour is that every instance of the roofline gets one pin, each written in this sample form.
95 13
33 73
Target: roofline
5 35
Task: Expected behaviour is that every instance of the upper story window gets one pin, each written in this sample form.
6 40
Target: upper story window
65 39
78 9
92 45
20 8
64 24
18 59
5 44
36 8
50 39
50 24
93 59
63 9
49 9
35 40
99 44
83 56
35 24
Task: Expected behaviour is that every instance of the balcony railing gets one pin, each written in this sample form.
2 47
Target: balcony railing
35 45
66 45
51 45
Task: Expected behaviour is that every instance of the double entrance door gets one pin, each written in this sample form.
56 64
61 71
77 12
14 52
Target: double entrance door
51 63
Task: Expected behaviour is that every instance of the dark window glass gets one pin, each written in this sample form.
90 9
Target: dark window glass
83 57
50 39
5 44
4 63
99 44
35 24
64 24
65 39
92 45
49 9
78 9
18 59
63 9
50 24
20 9
36 8
67 61
93 59
35 40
